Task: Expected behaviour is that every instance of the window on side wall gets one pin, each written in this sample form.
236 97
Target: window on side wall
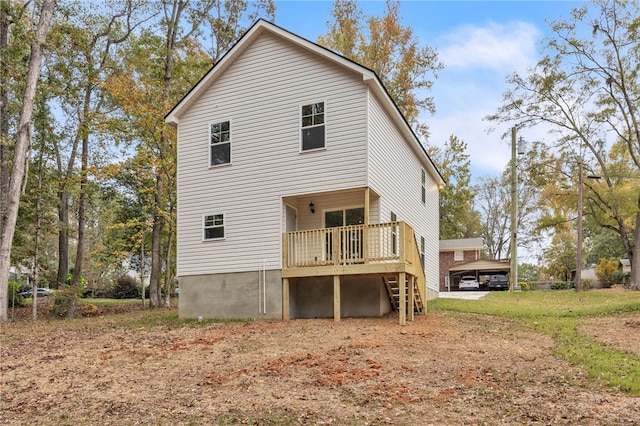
220 143
422 251
312 127
213 227
458 255
424 183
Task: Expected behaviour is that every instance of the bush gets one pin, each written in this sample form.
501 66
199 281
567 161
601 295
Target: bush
605 271
15 299
125 287
620 277
63 301
561 285
524 286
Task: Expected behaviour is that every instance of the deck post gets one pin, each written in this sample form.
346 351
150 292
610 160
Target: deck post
285 299
336 298
365 236
412 296
402 302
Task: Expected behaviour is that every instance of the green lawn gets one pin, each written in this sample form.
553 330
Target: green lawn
558 314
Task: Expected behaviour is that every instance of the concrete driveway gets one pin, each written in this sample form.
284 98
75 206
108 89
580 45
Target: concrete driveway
469 295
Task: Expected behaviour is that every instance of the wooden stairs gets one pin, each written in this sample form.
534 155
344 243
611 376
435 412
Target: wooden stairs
393 291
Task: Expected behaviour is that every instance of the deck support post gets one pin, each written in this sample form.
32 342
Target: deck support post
336 298
402 302
285 299
365 236
412 295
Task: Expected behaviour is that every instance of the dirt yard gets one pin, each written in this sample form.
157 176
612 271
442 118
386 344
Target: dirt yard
439 369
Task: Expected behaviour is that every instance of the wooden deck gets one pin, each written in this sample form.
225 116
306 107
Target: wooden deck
388 250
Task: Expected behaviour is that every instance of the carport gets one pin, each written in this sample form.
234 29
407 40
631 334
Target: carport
477 268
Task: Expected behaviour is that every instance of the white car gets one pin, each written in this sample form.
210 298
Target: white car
469 283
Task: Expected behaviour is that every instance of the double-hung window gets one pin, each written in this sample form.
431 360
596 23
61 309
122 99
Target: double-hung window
213 227
422 251
220 143
312 127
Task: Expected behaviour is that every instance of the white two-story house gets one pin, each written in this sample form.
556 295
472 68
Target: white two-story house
302 190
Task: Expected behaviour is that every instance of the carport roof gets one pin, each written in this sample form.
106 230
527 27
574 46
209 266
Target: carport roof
481 265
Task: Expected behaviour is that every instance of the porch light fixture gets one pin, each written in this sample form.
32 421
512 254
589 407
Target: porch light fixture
312 208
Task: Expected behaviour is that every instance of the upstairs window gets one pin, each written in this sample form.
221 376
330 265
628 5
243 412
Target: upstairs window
220 143
424 183
312 127
213 228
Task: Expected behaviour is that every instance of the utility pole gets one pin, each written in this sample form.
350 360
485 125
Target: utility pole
579 248
514 213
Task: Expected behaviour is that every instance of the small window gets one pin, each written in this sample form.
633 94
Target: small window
458 256
424 191
220 143
422 250
394 234
214 227
312 126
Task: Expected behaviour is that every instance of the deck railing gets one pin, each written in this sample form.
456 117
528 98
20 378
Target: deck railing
345 245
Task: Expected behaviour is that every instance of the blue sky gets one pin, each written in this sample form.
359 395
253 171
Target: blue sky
480 43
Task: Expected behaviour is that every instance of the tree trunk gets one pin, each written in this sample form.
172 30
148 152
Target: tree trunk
4 116
82 203
23 141
167 274
142 272
635 257
36 248
155 299
63 235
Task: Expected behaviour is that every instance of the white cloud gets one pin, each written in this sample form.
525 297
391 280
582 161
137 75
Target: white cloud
477 60
510 46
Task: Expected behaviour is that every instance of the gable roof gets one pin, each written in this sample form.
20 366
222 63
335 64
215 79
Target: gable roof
481 265
369 77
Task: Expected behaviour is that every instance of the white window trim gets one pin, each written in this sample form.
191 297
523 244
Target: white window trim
317 101
224 226
214 166
459 258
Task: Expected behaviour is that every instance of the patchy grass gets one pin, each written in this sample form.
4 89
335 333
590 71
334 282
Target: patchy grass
558 314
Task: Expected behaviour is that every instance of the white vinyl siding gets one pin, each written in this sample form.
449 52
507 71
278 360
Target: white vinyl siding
266 153
395 173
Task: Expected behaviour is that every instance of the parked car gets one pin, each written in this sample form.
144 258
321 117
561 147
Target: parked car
498 282
41 292
469 283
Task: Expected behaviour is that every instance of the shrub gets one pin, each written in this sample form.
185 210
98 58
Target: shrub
14 296
63 301
606 270
125 287
524 286
620 277
90 310
561 285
